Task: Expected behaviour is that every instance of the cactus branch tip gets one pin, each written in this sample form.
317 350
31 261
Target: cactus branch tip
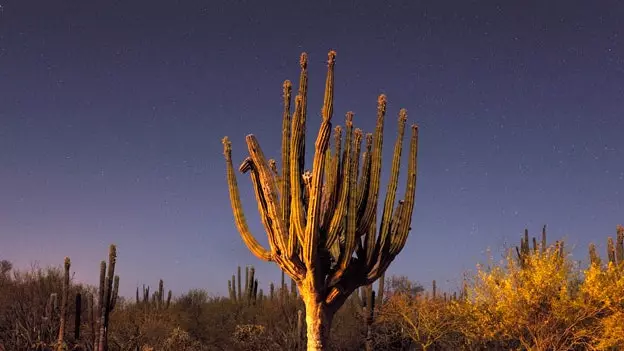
227 146
349 118
287 85
303 60
331 57
403 115
246 165
382 99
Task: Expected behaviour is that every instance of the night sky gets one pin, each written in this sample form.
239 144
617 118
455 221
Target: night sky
112 114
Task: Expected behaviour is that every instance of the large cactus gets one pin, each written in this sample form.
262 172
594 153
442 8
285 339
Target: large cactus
317 220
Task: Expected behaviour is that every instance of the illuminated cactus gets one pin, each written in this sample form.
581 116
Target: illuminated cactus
321 224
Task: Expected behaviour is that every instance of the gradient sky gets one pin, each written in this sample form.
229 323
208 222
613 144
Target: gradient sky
112 114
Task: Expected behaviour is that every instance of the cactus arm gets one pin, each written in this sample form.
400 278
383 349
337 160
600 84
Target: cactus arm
239 216
404 219
276 177
341 207
285 195
405 222
303 93
297 220
333 185
312 232
351 238
384 231
375 171
248 166
365 176
297 152
269 190
370 242
292 265
113 302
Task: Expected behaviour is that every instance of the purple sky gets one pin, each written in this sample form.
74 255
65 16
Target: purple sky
111 119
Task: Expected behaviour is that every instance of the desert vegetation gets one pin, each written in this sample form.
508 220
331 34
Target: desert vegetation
537 297
333 245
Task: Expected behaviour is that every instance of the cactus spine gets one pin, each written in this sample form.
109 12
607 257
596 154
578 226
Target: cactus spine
316 225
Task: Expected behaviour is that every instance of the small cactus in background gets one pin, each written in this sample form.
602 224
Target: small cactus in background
615 249
524 251
594 257
157 298
109 287
64 293
251 292
619 245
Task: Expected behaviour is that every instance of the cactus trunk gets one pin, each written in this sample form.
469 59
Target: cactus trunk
318 321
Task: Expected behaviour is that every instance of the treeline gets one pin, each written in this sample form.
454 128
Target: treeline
537 298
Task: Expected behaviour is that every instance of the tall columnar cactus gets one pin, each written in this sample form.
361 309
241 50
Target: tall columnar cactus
321 224
64 292
251 286
619 245
615 248
594 257
109 287
161 294
524 251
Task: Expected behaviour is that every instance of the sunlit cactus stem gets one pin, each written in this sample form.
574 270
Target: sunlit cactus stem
321 223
